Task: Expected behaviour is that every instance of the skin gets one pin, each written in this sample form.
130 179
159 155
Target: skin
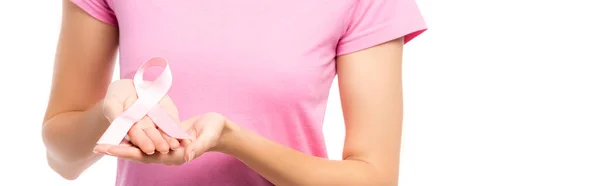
81 99
370 84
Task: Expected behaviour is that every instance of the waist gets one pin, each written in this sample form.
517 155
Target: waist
210 169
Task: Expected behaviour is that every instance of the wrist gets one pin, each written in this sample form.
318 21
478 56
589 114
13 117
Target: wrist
230 136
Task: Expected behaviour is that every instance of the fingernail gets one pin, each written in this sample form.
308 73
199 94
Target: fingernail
95 150
164 152
108 153
191 156
150 153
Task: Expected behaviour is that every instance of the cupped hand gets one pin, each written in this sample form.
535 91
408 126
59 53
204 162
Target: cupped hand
207 130
144 134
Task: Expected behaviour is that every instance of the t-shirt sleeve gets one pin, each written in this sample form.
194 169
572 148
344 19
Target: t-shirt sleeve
373 22
99 9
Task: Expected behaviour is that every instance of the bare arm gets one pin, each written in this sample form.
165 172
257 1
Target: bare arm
371 92
82 72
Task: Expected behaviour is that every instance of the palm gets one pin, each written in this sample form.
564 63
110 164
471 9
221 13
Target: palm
206 130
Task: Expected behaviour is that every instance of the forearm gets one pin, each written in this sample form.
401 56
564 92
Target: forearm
284 166
70 138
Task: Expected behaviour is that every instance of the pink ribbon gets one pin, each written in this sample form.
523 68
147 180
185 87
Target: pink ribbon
149 95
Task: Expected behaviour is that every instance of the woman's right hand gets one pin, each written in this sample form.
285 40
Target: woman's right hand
144 134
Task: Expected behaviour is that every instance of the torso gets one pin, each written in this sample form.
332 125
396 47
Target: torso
265 64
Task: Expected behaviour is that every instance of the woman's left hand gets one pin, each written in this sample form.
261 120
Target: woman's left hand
207 130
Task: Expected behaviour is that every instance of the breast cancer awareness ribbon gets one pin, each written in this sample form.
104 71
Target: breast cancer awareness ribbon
149 95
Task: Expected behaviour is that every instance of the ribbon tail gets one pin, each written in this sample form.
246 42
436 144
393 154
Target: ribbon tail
115 132
166 123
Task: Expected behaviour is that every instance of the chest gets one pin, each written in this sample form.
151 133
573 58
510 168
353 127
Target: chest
281 30
284 47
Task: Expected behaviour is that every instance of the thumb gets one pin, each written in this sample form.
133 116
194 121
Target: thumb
188 125
208 130
112 107
119 96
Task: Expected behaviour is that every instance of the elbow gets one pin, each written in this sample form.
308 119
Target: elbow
62 165
66 172
70 177
389 182
378 181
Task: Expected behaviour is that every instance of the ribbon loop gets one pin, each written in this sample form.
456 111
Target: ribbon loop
149 95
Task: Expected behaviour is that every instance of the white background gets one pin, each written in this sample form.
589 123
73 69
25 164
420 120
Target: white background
496 93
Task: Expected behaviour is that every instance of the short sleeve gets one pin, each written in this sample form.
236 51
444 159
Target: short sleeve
99 9
373 22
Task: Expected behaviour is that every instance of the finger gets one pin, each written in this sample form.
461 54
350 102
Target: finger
128 152
187 142
159 142
173 143
189 151
125 143
199 147
103 148
208 128
174 157
138 138
189 123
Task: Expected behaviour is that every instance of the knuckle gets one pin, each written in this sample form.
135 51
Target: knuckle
143 126
163 147
164 143
136 126
147 147
137 136
158 141
145 122
132 134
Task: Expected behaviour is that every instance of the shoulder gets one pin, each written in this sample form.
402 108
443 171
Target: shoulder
99 9
372 22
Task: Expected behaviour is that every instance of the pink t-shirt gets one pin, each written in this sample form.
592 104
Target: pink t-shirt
267 65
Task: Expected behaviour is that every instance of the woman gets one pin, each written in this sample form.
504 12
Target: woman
250 83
